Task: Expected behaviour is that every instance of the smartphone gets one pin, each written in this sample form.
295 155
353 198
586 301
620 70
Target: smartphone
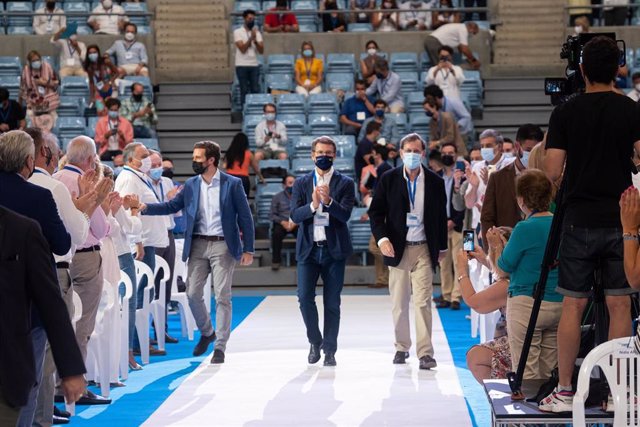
460 165
468 240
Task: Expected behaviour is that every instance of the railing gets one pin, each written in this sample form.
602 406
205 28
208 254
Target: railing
628 20
303 12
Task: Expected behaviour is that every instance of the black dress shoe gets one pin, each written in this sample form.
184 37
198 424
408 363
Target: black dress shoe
329 359
60 420
314 353
218 357
400 357
443 304
90 398
455 305
203 344
61 412
427 362
169 339
437 299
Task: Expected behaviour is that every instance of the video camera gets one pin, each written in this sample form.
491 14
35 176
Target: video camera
564 88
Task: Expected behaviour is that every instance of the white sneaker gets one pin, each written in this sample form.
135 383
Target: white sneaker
557 401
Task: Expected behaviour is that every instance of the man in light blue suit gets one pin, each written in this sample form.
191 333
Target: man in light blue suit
217 212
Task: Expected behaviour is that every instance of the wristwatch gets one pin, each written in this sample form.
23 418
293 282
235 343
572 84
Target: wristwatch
463 276
629 236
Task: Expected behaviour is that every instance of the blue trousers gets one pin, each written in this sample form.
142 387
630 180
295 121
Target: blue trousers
248 78
320 263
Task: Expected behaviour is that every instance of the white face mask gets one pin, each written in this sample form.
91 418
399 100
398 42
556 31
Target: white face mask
577 29
372 51
146 165
637 87
129 36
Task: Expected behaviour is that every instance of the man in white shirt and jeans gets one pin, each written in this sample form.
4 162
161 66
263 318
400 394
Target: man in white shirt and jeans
249 44
454 35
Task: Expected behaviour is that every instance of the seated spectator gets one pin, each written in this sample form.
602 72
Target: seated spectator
248 43
140 111
581 25
453 106
282 225
237 160
635 92
387 86
441 17
454 35
12 116
39 89
386 21
482 16
309 71
416 18
130 54
389 131
73 54
443 128
48 19
358 7
102 77
365 147
367 63
278 20
333 22
113 132
575 14
445 75
357 109
521 258
107 18
271 136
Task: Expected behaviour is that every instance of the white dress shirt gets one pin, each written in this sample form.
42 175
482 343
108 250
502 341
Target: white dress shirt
46 22
128 226
154 228
416 234
70 56
76 222
108 20
319 233
209 219
449 81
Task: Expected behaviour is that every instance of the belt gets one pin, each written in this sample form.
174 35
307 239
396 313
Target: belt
209 238
321 243
62 265
418 243
94 248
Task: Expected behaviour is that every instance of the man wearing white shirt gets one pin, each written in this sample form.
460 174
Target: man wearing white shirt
447 76
249 44
72 55
48 19
133 180
271 136
417 18
454 35
108 18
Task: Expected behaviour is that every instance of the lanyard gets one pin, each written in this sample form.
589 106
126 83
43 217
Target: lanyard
5 116
38 171
72 170
50 16
308 69
71 48
412 191
384 85
143 180
445 74
127 49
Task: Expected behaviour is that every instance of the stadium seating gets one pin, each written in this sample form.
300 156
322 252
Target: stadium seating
346 145
23 20
151 143
74 86
339 81
249 125
345 166
341 63
291 103
301 167
71 106
360 232
301 147
91 126
254 102
70 127
322 103
409 81
124 89
401 121
136 12
419 123
414 102
12 83
264 194
404 62
281 82
76 12
359 28
295 123
10 66
323 124
280 64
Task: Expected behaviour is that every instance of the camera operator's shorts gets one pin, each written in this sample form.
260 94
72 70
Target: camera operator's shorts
582 250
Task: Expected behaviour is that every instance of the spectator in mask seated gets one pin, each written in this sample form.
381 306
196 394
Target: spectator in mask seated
386 21
279 20
113 132
48 19
39 89
309 71
102 77
131 54
389 132
416 17
635 92
357 109
108 18
333 22
358 8
72 54
271 136
282 225
12 116
139 110
387 86
368 62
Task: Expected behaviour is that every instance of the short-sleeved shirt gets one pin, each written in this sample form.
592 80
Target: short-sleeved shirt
129 53
12 115
277 17
313 72
452 35
597 131
356 110
250 57
108 20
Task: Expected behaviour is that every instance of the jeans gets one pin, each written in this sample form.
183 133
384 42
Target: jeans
129 268
39 340
149 259
142 132
320 263
248 78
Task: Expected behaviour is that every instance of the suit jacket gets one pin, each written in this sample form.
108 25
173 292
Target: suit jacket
389 208
37 203
234 211
446 130
456 216
28 278
338 237
500 207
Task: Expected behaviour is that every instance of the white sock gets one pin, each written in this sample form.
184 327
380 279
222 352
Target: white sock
564 388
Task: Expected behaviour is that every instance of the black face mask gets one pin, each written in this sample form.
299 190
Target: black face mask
51 5
447 160
199 168
137 97
372 161
167 173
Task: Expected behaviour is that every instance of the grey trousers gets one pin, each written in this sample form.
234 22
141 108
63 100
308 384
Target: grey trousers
432 45
87 279
44 407
211 257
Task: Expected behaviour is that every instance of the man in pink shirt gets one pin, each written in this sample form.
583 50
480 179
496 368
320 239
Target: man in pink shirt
113 132
86 265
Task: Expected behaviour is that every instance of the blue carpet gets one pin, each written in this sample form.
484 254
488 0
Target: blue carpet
146 390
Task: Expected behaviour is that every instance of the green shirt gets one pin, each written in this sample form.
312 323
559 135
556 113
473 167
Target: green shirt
522 258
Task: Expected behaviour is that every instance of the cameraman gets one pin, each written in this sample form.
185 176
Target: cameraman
595 133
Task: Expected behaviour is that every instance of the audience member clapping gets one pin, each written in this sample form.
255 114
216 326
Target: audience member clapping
416 17
279 20
39 89
107 18
309 71
386 21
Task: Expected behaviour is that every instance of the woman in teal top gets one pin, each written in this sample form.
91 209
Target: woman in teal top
521 258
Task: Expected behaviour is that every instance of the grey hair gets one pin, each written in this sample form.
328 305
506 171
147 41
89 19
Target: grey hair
15 147
52 142
151 151
129 151
80 149
491 133
411 138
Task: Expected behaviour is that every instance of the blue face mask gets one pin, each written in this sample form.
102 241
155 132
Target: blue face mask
117 170
113 114
487 154
156 173
525 158
411 160
36 65
324 163
307 53
508 155
270 117
289 190
379 113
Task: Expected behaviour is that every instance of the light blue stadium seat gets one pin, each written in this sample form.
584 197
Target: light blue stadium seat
419 123
299 5
264 194
144 29
274 164
308 27
301 167
151 143
20 30
10 66
74 86
301 147
12 83
360 232
280 64
292 103
322 103
249 123
346 145
71 106
53 61
483 25
425 61
91 126
401 121
135 12
339 81
70 127
341 63
278 81
414 102
124 89
268 4
345 166
409 81
77 12
404 62
254 102
295 123
21 7
359 27
323 124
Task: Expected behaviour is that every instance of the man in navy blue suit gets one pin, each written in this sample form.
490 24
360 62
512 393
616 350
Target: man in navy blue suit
321 205
217 212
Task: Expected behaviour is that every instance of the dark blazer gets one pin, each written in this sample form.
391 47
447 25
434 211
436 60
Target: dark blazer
338 238
37 203
389 208
456 216
28 278
500 207
234 211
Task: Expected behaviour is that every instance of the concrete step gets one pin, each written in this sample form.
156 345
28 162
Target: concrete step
189 88
193 59
195 121
176 10
523 97
182 41
191 49
510 116
169 74
176 142
203 101
193 23
514 84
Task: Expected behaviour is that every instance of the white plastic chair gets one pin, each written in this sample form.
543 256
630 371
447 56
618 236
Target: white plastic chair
99 347
142 314
186 317
124 325
620 363
483 323
158 305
